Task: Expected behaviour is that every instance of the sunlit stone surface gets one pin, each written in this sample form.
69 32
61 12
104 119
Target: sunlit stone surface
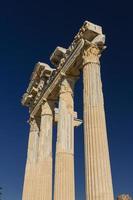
64 166
50 88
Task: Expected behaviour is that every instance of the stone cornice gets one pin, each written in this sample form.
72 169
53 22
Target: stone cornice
38 79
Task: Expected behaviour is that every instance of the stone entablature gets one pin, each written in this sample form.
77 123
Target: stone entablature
67 61
39 79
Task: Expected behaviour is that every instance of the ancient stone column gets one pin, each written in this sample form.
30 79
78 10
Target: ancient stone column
64 188
30 171
44 165
97 162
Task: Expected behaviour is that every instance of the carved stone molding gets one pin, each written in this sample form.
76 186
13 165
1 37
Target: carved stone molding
39 78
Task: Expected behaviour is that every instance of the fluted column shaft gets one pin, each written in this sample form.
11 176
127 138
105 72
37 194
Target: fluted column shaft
64 188
97 162
30 171
44 165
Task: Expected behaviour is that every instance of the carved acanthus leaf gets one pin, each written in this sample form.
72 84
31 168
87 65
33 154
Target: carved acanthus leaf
91 55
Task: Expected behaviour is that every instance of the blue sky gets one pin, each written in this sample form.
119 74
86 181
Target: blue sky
29 32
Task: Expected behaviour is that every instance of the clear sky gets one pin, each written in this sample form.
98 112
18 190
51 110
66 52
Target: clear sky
29 32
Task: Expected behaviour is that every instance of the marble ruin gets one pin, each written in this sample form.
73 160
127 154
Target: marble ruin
49 98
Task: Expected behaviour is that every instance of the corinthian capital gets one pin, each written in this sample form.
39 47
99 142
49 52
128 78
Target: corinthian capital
67 84
91 54
93 49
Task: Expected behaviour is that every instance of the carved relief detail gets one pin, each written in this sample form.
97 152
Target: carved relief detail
91 55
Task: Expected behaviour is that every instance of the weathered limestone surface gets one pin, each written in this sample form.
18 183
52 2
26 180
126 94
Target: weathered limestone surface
64 187
31 165
44 164
97 164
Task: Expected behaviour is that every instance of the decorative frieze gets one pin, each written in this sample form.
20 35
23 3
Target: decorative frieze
39 79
